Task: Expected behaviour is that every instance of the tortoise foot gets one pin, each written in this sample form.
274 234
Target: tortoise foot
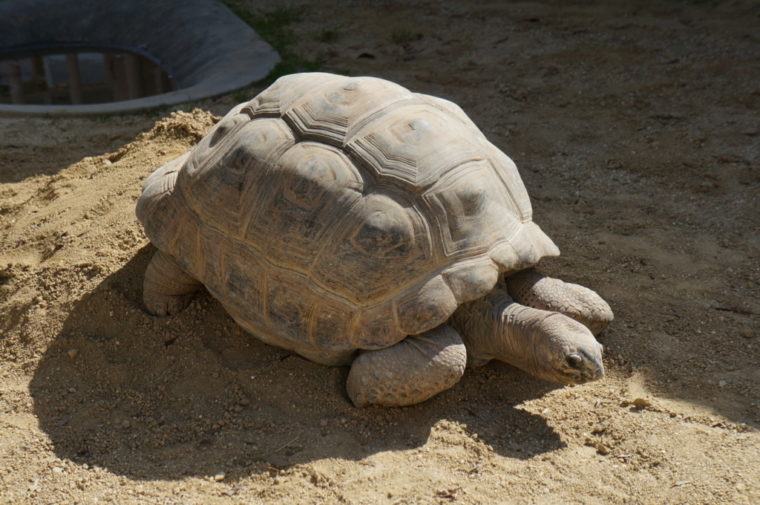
530 288
167 288
165 305
409 372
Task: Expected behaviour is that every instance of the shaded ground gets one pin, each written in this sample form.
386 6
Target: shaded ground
635 128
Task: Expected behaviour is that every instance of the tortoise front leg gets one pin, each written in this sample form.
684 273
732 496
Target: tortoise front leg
531 288
408 372
167 288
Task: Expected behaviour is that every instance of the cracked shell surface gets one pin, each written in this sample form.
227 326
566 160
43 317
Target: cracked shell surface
331 213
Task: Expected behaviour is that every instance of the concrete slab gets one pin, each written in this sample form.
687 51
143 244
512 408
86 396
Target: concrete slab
202 45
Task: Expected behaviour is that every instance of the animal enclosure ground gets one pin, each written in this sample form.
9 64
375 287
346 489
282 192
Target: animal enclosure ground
635 128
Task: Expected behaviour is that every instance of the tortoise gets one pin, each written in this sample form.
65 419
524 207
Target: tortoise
352 221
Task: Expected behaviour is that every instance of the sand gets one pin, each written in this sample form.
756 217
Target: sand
635 128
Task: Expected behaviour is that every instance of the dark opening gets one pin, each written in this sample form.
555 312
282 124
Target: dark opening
79 76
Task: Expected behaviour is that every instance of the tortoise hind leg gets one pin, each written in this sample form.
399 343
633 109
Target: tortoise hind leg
167 288
409 372
533 289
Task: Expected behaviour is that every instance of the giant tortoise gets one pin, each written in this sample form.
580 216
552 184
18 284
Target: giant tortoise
352 221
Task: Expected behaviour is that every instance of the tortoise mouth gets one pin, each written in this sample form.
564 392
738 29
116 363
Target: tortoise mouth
580 377
580 366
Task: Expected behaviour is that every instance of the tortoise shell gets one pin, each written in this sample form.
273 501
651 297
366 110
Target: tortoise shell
332 213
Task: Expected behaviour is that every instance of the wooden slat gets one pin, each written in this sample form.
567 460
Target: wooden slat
40 82
14 73
75 81
132 67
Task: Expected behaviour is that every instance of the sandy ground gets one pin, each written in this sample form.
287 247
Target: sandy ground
636 127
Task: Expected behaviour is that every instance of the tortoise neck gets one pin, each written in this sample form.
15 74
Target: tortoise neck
495 327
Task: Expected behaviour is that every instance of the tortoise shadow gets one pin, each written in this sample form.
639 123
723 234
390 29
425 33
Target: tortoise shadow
195 395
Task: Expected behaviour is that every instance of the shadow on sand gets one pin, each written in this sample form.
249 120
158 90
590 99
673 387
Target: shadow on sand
193 394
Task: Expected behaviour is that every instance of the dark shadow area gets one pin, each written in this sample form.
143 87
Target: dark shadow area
163 398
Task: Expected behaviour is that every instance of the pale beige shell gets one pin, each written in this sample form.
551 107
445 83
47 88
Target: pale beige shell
332 213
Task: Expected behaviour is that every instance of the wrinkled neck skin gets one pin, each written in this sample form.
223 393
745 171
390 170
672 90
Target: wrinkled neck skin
489 334
495 327
517 337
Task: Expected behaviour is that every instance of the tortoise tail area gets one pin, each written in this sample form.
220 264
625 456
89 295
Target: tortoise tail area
155 210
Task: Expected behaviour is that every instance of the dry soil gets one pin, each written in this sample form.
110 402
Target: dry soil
636 127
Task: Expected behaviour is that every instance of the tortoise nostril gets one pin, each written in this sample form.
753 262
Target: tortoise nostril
574 360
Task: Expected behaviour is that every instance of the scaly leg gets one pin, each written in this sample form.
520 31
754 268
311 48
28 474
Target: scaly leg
409 372
167 289
529 287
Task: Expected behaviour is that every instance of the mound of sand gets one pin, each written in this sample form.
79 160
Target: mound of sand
635 130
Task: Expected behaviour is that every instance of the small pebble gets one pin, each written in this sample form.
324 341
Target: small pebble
73 353
218 477
722 383
323 422
641 402
125 424
745 332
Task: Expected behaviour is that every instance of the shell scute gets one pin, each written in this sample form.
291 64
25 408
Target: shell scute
280 96
412 146
330 214
376 236
470 210
469 280
306 192
376 328
217 187
513 186
425 307
330 325
240 282
454 111
288 308
328 113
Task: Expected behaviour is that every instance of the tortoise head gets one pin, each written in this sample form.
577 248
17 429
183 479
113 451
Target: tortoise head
563 350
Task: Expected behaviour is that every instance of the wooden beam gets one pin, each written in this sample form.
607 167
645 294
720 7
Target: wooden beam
158 79
75 80
132 67
40 81
14 73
